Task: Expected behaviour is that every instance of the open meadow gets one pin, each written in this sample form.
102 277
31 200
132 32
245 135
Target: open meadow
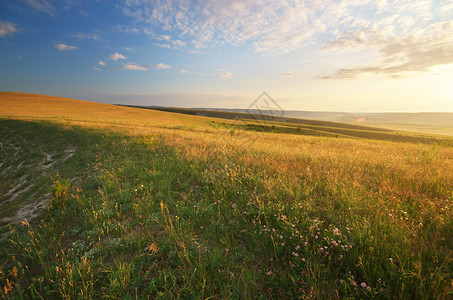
104 201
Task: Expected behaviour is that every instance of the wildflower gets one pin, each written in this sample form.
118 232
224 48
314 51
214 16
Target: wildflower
295 254
303 259
316 236
269 273
363 284
297 248
368 288
390 259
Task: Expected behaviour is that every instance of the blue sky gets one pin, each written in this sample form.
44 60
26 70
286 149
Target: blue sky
343 55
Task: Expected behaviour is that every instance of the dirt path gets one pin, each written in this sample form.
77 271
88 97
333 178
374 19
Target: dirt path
23 165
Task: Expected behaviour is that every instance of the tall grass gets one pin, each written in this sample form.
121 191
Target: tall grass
194 213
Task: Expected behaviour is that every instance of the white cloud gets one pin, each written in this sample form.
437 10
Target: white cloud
182 71
166 41
96 69
447 6
161 66
270 26
295 75
138 67
64 47
226 75
41 6
90 36
8 28
101 63
163 46
132 66
126 29
117 56
415 52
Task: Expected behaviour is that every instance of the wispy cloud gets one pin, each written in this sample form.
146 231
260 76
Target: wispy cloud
96 35
96 69
226 75
182 71
117 56
41 6
295 75
132 66
64 47
161 66
126 29
8 29
165 40
415 52
269 26
101 63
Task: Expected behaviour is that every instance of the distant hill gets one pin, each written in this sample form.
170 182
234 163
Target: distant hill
437 122
265 121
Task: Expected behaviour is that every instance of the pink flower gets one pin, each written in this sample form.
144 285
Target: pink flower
363 284
297 248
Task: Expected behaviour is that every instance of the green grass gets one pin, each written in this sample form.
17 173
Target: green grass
181 213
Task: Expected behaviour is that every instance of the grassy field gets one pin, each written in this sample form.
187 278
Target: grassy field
101 201
276 124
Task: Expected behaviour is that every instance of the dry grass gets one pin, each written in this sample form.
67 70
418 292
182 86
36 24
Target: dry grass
39 107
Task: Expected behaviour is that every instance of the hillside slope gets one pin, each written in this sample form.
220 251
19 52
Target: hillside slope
32 106
98 201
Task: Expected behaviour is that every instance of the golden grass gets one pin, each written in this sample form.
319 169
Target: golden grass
32 106
279 149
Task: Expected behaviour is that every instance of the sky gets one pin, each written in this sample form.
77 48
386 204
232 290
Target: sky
312 55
